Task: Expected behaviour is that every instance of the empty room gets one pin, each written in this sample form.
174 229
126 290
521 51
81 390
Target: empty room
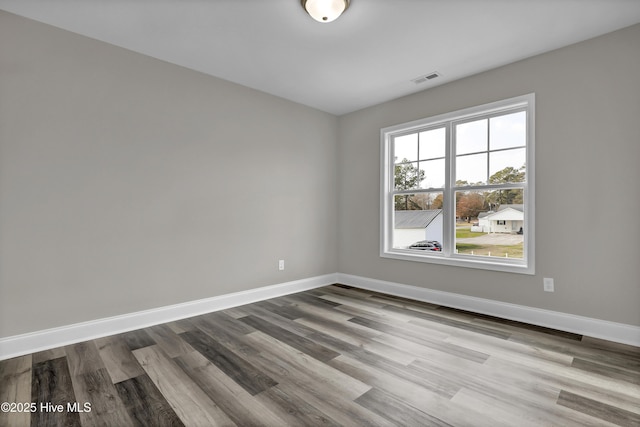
319 213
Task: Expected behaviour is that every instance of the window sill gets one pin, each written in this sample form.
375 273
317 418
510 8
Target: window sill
493 264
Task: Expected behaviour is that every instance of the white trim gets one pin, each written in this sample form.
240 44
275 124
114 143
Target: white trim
470 261
448 256
611 331
19 345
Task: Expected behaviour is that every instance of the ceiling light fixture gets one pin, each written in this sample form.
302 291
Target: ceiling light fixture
325 10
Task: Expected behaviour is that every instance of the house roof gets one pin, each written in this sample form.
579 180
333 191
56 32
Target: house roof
506 214
415 219
515 206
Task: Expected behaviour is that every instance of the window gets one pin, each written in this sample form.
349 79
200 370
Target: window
458 188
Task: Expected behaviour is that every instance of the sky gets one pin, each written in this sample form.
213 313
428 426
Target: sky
482 148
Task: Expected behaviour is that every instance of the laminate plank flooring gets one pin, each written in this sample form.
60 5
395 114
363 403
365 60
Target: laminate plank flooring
117 358
95 387
332 356
145 404
188 400
244 373
15 387
51 382
396 410
303 344
226 392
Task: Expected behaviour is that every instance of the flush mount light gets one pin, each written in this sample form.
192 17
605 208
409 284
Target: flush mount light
325 10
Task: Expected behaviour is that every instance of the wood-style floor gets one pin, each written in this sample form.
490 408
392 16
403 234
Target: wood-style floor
330 356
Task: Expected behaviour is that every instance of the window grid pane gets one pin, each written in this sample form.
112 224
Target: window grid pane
432 144
508 131
434 173
471 137
490 223
474 172
407 176
503 141
418 222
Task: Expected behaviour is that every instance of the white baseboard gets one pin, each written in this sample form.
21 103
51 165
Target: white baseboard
50 338
19 345
611 331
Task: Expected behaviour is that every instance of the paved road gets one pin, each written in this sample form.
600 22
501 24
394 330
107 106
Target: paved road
494 239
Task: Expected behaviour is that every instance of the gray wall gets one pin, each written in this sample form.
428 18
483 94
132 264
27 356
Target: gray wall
127 183
587 194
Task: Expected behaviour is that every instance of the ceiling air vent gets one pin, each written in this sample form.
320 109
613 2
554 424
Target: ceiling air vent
426 77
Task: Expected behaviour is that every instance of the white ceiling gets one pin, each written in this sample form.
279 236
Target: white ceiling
367 56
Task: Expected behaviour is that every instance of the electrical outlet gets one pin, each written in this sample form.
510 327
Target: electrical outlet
548 285
281 264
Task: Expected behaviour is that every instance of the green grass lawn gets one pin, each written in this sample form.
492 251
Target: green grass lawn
464 232
514 251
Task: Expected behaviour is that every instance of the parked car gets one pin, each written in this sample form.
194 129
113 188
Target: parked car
427 245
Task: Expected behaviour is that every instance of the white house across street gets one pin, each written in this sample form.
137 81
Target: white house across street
507 219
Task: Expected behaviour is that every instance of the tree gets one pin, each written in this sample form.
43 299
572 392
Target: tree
437 202
508 174
470 205
406 177
420 201
510 196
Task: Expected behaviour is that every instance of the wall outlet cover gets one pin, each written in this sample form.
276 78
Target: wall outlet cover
548 284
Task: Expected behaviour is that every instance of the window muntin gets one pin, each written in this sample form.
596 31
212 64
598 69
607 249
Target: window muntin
419 160
472 169
417 218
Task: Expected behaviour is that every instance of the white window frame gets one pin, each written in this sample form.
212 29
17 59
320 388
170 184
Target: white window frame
526 265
